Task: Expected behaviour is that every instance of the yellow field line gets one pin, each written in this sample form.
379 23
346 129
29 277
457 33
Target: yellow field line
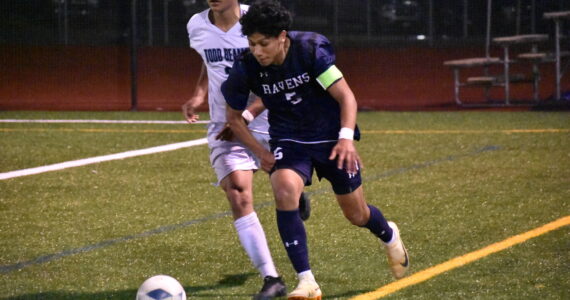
462 260
97 130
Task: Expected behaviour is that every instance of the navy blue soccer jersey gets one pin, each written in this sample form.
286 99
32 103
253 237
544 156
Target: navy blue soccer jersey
300 108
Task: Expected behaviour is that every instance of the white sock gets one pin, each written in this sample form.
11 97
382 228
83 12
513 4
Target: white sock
306 275
253 240
393 239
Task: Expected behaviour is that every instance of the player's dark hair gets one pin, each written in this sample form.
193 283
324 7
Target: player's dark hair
267 17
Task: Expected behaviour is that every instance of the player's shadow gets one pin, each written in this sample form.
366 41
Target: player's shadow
193 292
228 281
345 295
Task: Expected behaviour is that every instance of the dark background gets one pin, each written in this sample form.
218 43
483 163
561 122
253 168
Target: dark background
347 22
74 54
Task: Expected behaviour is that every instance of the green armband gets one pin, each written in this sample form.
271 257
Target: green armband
328 77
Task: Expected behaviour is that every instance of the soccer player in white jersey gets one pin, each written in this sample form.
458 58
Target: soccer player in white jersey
215 34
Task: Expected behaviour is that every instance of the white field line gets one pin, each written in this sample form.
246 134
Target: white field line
99 159
99 121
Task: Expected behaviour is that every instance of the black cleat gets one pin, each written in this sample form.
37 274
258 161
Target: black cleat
272 287
304 207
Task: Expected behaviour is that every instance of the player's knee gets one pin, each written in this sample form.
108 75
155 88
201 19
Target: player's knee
235 188
281 193
237 193
285 197
232 187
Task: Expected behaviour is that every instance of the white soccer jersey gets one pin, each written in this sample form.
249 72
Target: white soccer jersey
219 50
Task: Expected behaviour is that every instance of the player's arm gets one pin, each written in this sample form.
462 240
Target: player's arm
240 130
344 150
254 109
198 97
236 92
331 79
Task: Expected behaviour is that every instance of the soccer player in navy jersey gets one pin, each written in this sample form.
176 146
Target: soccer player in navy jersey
215 34
312 117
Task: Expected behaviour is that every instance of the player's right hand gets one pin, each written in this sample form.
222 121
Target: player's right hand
188 110
226 134
346 156
267 161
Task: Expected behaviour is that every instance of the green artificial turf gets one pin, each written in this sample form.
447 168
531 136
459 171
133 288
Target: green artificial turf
454 182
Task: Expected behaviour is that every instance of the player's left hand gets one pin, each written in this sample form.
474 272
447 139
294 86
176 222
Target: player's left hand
346 156
226 134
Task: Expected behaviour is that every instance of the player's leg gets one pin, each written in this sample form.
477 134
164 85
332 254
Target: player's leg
238 188
350 196
234 167
361 214
304 200
287 187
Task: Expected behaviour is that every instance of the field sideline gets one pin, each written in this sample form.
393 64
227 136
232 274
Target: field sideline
455 182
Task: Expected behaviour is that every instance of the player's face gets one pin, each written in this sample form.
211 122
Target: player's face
268 50
221 5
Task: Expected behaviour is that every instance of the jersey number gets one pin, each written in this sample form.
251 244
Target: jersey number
293 98
277 153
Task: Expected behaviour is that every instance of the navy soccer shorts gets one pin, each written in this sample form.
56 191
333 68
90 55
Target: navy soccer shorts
304 158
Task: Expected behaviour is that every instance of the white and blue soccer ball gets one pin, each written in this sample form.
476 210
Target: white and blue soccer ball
161 287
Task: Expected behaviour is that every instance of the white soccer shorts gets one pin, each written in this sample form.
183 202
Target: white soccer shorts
229 156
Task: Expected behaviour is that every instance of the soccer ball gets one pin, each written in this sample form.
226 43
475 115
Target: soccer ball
161 287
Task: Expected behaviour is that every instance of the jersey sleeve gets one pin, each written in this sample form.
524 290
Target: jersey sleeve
235 89
191 28
324 67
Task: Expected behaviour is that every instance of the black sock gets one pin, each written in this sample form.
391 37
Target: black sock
294 238
378 225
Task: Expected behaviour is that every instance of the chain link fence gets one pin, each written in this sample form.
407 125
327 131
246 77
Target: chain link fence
345 22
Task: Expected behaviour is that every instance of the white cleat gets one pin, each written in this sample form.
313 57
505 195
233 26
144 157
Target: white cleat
397 254
307 289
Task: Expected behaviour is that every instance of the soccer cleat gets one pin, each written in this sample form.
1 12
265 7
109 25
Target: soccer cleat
304 207
397 254
272 287
307 289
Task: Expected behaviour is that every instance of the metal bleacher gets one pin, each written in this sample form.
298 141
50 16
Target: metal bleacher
517 49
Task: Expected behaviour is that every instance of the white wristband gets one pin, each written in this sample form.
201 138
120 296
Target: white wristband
248 117
346 133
